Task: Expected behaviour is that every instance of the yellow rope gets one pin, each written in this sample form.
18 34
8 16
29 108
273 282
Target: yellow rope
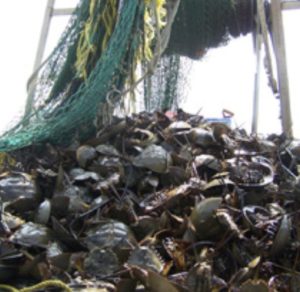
109 17
155 15
8 288
85 49
150 23
39 286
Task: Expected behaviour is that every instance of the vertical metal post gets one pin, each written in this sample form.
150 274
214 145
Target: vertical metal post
256 81
44 34
280 55
40 53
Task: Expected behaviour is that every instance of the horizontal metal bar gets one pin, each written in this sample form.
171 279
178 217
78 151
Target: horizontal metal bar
62 11
289 5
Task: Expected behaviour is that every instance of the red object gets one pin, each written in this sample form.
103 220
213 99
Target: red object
171 115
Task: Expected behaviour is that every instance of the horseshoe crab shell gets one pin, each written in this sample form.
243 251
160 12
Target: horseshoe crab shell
254 285
107 150
283 235
155 158
204 220
145 257
15 185
219 186
207 165
252 214
85 154
31 234
250 174
111 234
142 138
179 126
101 262
201 137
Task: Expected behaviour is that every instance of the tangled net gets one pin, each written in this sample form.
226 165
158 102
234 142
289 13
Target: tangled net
94 64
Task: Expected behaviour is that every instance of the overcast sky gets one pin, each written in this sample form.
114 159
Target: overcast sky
224 78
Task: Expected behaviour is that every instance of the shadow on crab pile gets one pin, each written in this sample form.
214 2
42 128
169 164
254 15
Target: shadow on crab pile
154 204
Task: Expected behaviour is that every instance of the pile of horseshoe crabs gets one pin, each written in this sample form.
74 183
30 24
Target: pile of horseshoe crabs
154 203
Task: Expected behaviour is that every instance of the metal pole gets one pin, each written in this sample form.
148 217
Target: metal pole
256 82
44 34
40 53
280 55
62 11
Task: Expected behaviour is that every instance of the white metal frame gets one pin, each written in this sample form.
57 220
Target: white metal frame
277 6
282 73
49 13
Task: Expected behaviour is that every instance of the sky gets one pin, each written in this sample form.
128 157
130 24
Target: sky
223 78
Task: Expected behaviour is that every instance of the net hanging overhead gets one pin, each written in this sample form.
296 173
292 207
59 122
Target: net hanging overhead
95 61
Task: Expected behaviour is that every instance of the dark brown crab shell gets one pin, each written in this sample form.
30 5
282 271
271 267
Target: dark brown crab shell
204 220
155 158
207 165
85 155
256 173
284 282
101 262
142 138
146 258
111 234
15 185
32 234
254 285
201 137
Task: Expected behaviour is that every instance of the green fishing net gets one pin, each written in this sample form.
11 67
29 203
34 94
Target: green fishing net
97 52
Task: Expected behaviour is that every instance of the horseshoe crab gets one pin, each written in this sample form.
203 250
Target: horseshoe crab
155 158
142 138
112 234
15 185
124 209
147 258
254 285
101 262
283 235
256 173
85 155
204 220
207 166
31 234
202 137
